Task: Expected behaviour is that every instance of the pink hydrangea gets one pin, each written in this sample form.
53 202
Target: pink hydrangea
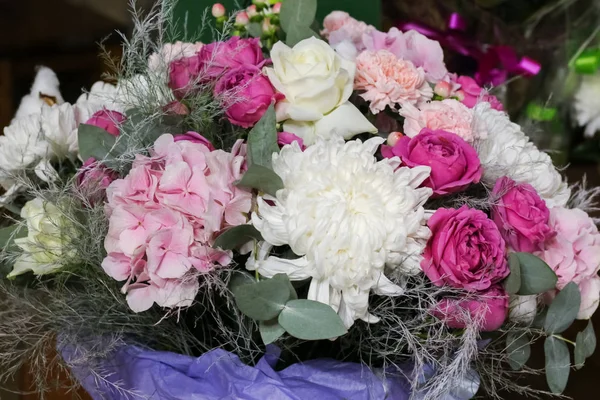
388 81
164 216
339 27
448 115
574 254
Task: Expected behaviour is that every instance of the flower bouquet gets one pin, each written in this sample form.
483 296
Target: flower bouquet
288 214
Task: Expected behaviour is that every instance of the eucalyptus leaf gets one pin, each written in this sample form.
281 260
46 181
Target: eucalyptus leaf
254 29
262 140
261 178
518 348
579 352
298 33
563 310
513 282
286 279
558 363
233 238
311 320
540 319
297 13
240 278
585 345
536 276
262 300
94 142
270 331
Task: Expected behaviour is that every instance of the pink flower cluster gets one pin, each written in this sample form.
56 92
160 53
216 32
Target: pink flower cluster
387 81
164 216
233 67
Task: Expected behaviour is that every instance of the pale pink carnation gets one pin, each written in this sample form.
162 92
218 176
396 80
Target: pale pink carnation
448 115
574 254
388 81
165 215
171 52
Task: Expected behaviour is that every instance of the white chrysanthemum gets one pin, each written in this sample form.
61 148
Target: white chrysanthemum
348 217
587 104
59 126
102 95
507 152
45 84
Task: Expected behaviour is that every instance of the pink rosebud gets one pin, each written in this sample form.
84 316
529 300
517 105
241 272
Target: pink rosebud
489 309
92 180
284 138
107 120
521 215
194 137
242 18
251 11
218 10
277 8
176 108
443 89
246 94
465 250
393 138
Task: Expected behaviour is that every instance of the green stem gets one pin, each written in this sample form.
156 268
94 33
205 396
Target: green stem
564 339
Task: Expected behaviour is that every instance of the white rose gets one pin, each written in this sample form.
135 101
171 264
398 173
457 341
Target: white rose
522 309
317 84
44 248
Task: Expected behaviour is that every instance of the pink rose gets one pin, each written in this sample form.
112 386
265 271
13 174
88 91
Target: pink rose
218 57
184 76
454 163
284 138
107 120
521 215
92 180
170 52
473 93
387 81
245 94
194 137
448 115
574 255
490 308
465 250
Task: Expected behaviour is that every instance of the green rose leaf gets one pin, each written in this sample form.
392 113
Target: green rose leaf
563 310
536 276
233 238
311 320
585 345
262 140
558 363
95 142
513 282
286 279
518 349
270 331
297 13
261 178
262 300
298 33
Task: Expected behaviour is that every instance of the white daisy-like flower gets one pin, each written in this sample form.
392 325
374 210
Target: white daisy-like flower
587 104
45 86
348 217
506 151
59 126
102 95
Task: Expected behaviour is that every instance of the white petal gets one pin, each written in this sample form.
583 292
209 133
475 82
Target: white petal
319 291
345 121
385 287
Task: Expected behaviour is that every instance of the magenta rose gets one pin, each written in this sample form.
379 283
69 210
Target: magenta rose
284 138
218 57
490 308
107 120
473 93
454 163
194 137
245 94
184 76
521 215
465 250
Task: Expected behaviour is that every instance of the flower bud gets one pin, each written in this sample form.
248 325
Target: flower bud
393 138
443 89
267 27
218 10
277 8
242 18
251 11
460 95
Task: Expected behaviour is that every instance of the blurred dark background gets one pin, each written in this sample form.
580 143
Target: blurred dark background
65 35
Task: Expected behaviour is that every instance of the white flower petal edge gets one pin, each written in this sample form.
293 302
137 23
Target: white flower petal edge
586 104
506 151
348 217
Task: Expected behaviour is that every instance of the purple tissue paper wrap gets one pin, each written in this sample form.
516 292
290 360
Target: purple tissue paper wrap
136 373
